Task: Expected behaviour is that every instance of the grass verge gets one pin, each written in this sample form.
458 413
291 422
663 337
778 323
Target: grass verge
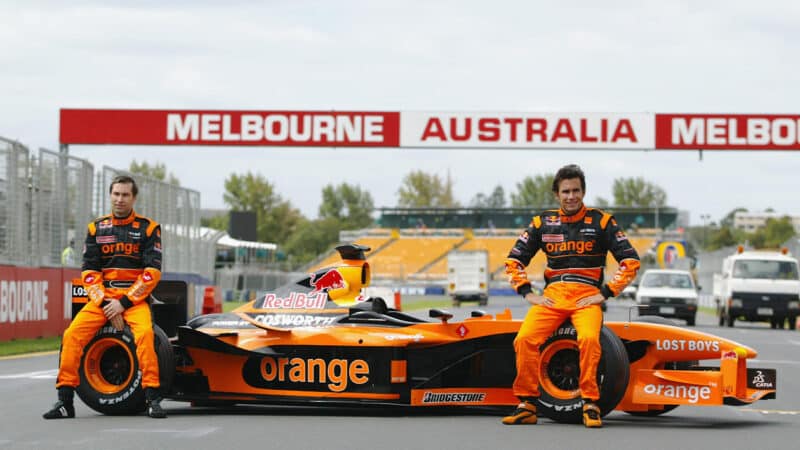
22 346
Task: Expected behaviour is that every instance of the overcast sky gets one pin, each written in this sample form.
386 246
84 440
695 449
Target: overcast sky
727 56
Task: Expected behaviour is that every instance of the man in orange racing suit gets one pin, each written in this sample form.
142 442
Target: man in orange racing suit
576 240
121 266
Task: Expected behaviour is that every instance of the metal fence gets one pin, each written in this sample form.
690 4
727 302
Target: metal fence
177 209
14 204
47 199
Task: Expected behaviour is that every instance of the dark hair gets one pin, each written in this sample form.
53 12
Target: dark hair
124 179
568 172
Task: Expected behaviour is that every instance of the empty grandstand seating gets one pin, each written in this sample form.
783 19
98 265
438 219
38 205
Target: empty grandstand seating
374 243
408 254
416 255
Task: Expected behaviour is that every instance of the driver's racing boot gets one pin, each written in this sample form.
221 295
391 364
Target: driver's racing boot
591 415
64 408
525 414
154 409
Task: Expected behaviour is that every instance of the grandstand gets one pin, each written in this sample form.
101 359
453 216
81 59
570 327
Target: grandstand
421 255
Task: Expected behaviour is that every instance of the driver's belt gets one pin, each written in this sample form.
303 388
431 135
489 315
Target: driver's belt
573 278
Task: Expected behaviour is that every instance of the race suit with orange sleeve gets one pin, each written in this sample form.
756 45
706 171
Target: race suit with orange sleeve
576 247
122 261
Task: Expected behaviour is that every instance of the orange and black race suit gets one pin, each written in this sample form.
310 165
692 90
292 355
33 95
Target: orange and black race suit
122 261
576 247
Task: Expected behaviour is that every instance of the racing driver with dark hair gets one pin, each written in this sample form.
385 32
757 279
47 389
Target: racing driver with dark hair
576 240
121 266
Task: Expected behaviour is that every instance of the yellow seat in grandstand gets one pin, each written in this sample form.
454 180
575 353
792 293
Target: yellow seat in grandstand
408 254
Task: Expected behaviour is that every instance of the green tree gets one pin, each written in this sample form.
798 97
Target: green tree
497 199
312 239
219 222
157 171
421 189
351 206
638 192
727 221
534 192
276 218
774 234
722 237
601 202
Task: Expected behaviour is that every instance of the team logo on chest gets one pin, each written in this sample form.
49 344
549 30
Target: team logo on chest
552 220
106 239
552 238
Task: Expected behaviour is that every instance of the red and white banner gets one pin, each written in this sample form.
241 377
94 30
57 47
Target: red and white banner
35 302
569 130
526 130
727 131
255 128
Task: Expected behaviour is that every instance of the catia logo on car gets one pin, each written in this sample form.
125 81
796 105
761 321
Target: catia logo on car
760 381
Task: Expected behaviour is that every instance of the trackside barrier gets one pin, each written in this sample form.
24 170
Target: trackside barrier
34 302
212 301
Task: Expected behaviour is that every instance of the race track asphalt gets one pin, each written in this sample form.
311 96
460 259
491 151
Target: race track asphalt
27 390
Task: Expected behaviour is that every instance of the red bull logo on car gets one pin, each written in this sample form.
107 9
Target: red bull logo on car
331 279
296 300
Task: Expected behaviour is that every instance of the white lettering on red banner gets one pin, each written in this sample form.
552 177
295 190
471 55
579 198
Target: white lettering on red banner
275 127
547 130
569 130
22 301
728 132
253 128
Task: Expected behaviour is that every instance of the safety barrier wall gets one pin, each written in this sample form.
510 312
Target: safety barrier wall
34 302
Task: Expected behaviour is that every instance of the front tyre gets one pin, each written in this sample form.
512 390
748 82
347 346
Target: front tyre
111 381
560 397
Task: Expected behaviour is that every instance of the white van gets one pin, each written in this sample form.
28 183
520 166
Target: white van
668 293
758 285
468 276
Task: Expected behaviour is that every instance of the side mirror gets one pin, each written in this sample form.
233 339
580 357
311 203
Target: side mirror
444 316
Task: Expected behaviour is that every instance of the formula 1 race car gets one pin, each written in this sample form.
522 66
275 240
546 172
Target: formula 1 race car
318 341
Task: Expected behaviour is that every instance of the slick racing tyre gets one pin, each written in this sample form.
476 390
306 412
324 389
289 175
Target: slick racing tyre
674 365
111 381
560 398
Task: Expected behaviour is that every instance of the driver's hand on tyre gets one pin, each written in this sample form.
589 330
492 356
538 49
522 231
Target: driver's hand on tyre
117 322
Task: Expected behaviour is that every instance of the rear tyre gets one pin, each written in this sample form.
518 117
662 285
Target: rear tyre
691 321
111 381
560 398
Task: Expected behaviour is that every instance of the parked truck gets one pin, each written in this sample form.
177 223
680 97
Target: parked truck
468 276
758 286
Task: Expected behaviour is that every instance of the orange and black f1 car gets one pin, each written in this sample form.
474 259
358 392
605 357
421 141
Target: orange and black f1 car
318 341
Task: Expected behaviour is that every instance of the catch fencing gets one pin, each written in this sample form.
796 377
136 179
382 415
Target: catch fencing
48 197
